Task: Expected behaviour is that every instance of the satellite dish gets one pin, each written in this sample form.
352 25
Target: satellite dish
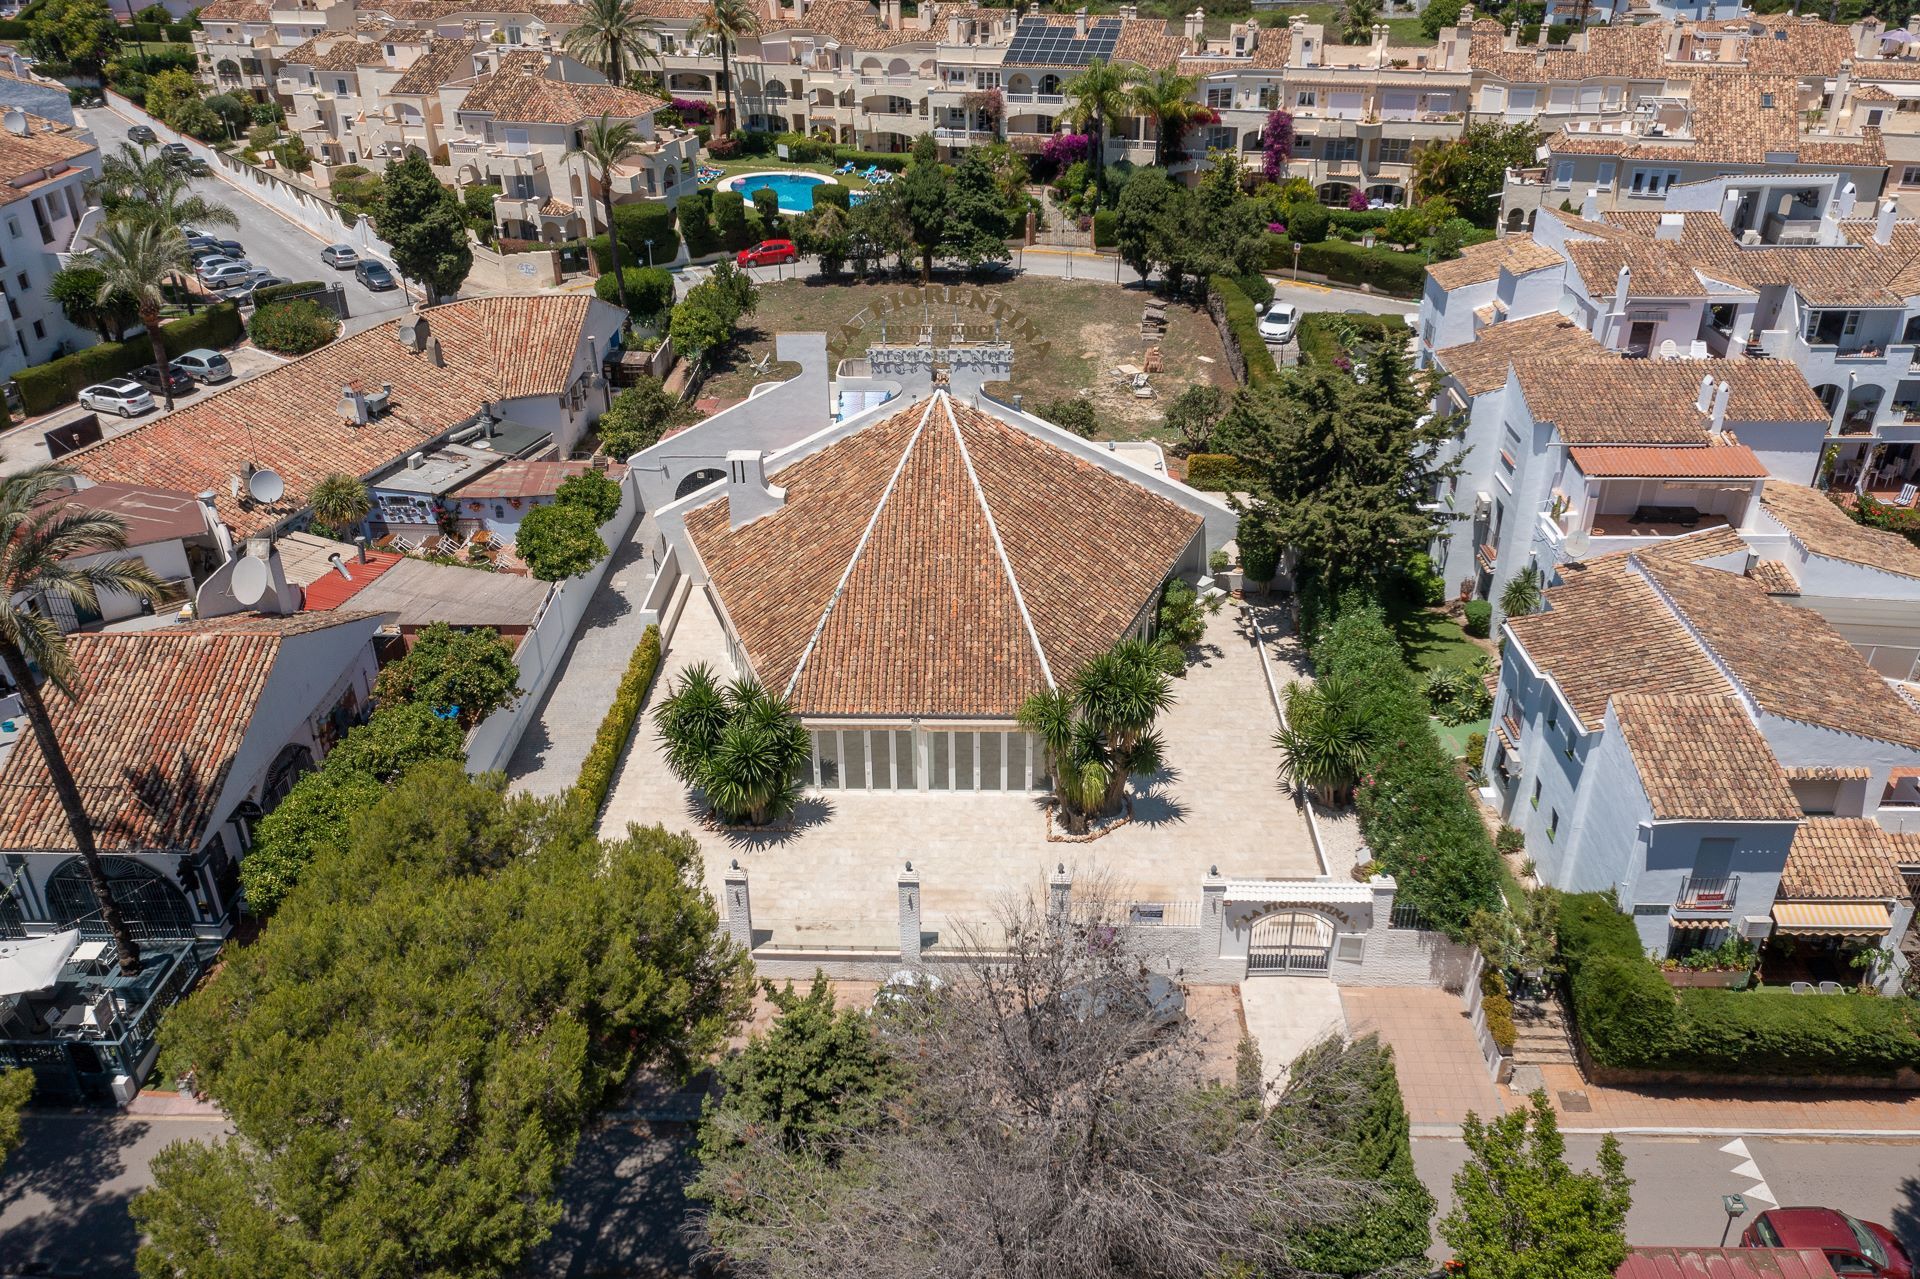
266 487
1567 307
250 581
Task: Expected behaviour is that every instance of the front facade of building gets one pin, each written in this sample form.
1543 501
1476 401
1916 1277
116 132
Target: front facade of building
44 170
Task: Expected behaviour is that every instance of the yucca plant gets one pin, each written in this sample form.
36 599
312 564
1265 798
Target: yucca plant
1325 741
742 747
1098 730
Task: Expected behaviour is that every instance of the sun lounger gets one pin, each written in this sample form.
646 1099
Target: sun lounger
1801 987
1907 495
845 168
1830 988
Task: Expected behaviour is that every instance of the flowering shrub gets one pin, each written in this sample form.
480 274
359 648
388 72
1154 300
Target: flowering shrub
1065 149
1277 144
689 109
1356 200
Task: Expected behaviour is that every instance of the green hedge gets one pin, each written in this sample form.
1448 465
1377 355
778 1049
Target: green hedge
1215 473
1419 820
1389 271
13 29
274 292
696 222
1244 325
1629 1018
1322 335
889 160
730 220
596 772
1106 228
841 197
46 387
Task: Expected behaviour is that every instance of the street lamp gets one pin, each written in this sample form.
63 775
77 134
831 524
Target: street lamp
649 253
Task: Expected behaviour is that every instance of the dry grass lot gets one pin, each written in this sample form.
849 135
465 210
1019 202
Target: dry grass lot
1074 333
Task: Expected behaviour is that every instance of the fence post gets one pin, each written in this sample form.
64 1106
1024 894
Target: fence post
1059 892
739 908
1213 907
909 915
1384 888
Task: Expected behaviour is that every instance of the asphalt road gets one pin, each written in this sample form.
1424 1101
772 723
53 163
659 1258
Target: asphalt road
1678 1181
272 241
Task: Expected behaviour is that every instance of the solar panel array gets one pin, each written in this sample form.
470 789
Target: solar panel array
1037 42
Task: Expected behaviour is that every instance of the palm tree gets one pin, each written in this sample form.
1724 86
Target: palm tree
727 21
1167 96
133 259
606 143
1325 741
1098 729
39 542
1357 19
340 501
133 188
1522 595
1100 102
614 35
741 746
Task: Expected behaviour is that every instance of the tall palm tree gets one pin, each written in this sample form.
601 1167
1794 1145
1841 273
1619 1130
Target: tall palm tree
1326 739
1522 595
340 501
1100 102
726 21
606 143
134 188
133 259
615 35
1167 96
39 540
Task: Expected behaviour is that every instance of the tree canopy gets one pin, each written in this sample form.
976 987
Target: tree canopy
639 416
427 226
15 1087
1471 170
409 1053
559 540
468 671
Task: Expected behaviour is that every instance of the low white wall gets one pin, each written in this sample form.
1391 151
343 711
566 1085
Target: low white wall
541 652
314 212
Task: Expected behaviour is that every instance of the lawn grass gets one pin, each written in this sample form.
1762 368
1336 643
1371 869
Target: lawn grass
1432 640
1454 736
1067 336
767 163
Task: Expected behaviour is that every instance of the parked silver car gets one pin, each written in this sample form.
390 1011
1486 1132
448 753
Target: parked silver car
340 257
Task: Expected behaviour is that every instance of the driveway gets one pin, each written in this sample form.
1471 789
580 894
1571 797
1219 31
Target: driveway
272 240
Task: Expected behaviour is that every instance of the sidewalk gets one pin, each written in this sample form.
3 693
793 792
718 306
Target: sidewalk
1585 1107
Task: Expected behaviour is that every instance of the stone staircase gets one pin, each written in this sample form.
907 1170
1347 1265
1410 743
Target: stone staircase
1540 1033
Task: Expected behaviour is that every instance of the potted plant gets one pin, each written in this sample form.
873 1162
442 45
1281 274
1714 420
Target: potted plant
1729 965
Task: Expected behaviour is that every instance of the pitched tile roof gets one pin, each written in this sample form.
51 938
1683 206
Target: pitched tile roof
521 478
287 419
1826 682
330 590
46 150
1856 272
937 562
1701 757
154 732
1606 634
335 52
1846 858
1481 364
1829 773
1774 577
1818 524
443 62
1610 399
236 11
1653 462
522 91
1481 263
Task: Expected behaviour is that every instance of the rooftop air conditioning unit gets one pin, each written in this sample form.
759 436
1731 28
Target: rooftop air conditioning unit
380 401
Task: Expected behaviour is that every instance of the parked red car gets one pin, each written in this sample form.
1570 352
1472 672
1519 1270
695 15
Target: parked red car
768 253
1852 1247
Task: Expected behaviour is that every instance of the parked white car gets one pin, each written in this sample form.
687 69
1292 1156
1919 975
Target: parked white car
120 395
1278 322
224 273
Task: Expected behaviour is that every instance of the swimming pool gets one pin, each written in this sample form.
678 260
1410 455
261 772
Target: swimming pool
793 190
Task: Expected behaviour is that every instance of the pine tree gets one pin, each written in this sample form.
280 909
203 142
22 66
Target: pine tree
426 225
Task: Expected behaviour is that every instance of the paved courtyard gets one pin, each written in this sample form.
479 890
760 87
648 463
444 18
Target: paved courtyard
1442 1074
1286 1016
831 880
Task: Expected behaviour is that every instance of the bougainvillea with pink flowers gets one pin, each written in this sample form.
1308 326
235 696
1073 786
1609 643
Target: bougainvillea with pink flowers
1277 144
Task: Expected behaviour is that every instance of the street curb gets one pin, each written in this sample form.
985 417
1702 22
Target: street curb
1434 1132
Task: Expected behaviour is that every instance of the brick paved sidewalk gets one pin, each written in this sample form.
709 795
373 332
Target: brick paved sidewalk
1586 1106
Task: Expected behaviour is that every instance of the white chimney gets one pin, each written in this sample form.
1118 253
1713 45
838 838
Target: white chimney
1196 23
1883 225
215 525
353 406
416 460
1672 226
434 357
749 496
1720 398
1730 208
1849 197
1620 290
1080 22
1590 205
1704 401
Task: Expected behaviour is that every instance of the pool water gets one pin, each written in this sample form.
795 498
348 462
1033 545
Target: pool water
794 191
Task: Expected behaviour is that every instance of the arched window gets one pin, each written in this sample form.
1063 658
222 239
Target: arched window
1516 219
288 766
1049 83
153 907
698 480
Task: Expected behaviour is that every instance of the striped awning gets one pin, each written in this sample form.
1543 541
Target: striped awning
1854 919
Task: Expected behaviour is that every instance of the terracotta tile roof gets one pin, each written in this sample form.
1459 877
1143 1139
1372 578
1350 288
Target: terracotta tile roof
45 152
1481 263
1818 524
1828 773
1613 400
153 735
1724 1263
444 62
236 11
330 590
1846 859
521 478
1481 364
855 23
1774 577
1827 682
938 562
332 52
1702 758
1632 52
1606 634
522 91
1145 42
287 419
1713 543
1857 272
1653 462
1659 269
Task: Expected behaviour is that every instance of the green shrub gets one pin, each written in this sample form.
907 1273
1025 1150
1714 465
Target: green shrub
1386 270
1509 839
1479 618
1421 823
1476 748
274 292
1244 324
649 289
293 327
640 222
1306 223
46 387
696 222
1497 1007
1425 585
891 161
730 220
1215 473
833 193
610 743
1106 228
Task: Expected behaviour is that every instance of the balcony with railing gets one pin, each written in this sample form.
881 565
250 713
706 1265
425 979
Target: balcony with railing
1706 897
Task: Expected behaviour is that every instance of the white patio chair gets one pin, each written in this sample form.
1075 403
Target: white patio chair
1802 987
1907 494
1830 988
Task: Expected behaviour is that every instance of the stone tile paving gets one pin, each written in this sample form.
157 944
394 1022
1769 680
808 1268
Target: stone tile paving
555 744
1442 1074
1286 1016
1583 1105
